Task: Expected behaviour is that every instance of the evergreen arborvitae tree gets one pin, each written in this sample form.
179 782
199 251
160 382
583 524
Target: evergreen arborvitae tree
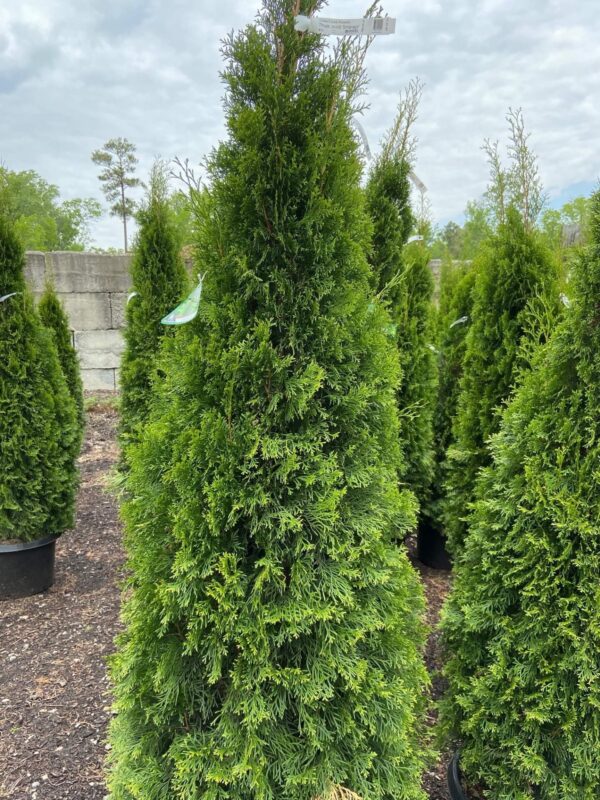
39 434
159 279
273 626
54 318
405 282
457 283
514 273
522 626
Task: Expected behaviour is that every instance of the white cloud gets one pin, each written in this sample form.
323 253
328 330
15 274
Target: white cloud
74 74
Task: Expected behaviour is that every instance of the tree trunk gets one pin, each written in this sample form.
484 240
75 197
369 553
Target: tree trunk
124 215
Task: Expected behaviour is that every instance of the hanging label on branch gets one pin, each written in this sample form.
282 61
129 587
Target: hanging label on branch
459 321
366 26
363 136
130 296
187 310
6 296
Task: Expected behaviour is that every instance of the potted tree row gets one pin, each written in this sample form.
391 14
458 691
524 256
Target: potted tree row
522 626
40 435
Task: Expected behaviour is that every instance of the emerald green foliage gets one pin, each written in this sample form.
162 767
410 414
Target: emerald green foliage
159 278
522 626
457 281
515 273
273 626
418 390
54 318
39 435
403 279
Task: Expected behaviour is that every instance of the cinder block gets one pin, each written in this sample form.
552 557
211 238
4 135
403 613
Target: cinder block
87 311
99 349
35 269
89 272
95 380
118 303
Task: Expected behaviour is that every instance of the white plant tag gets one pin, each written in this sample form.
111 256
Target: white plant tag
459 321
366 26
412 239
130 296
417 182
6 296
363 137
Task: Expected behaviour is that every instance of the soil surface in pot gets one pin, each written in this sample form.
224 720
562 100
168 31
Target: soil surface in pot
54 700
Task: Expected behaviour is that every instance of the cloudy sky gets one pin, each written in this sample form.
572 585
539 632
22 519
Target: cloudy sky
74 73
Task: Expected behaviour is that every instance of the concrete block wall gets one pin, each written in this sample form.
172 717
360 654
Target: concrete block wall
93 289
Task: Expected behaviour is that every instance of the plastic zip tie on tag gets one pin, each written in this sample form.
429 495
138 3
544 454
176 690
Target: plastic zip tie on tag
365 26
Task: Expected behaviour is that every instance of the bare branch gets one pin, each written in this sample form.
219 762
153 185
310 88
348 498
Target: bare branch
497 191
400 142
184 173
523 177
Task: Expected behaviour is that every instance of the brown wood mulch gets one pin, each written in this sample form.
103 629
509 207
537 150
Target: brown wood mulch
54 702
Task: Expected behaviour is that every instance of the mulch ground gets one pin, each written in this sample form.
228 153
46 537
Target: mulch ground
54 700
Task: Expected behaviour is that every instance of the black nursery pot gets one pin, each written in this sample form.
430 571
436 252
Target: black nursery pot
26 568
454 784
431 546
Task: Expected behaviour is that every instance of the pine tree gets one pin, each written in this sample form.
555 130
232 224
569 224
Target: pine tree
522 626
457 283
39 435
403 279
54 318
159 280
273 626
515 272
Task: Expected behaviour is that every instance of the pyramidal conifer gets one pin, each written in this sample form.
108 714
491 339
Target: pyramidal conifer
514 273
273 626
39 434
403 280
453 319
522 626
159 281
55 320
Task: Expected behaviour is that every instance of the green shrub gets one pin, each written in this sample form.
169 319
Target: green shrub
403 278
514 273
453 319
39 434
159 279
522 626
54 318
273 626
